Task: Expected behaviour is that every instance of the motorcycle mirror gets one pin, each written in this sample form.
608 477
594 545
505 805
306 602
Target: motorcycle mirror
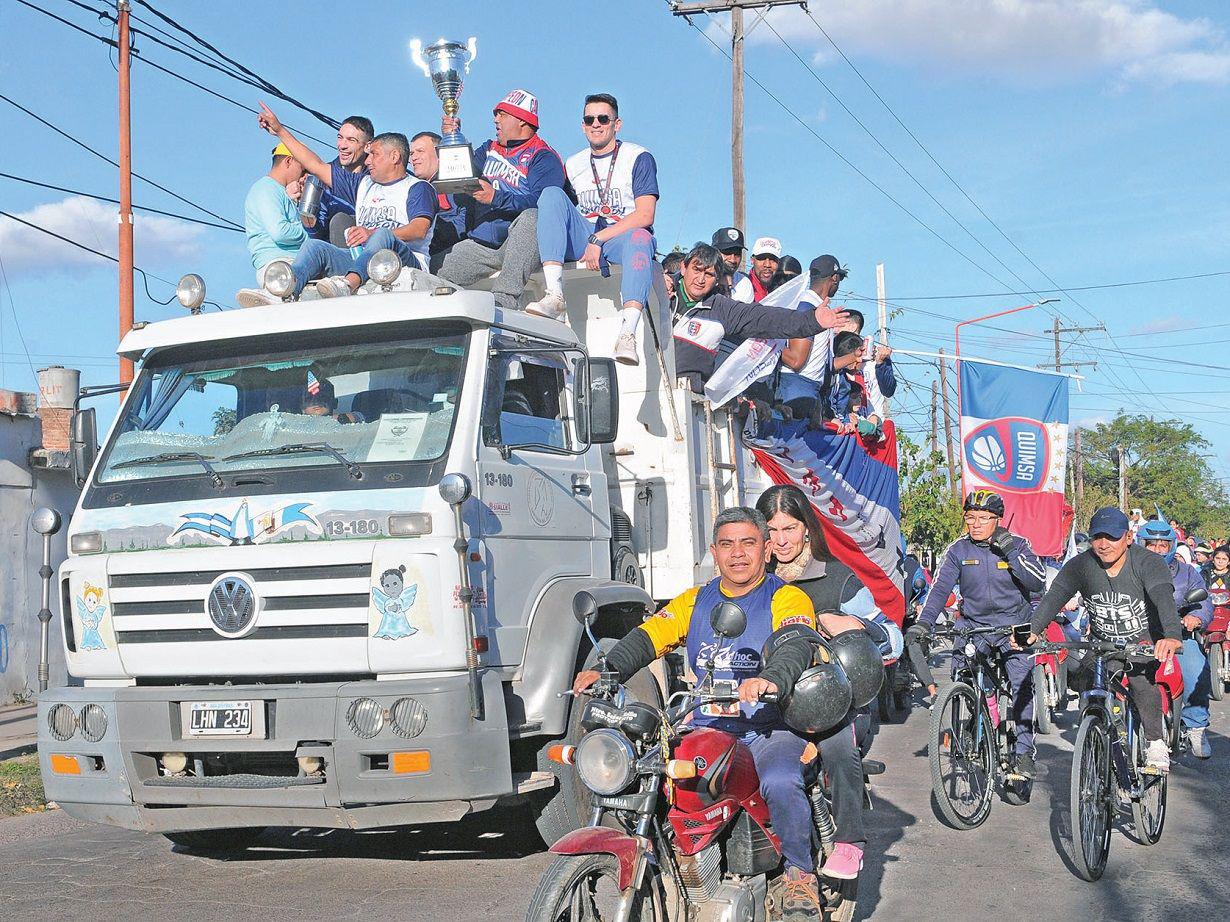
1196 596
728 620
585 608
920 583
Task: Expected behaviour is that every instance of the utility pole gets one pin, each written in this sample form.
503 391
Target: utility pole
737 34
125 243
953 479
1055 330
935 434
882 317
1122 480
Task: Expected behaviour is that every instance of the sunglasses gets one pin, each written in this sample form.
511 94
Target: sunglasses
590 120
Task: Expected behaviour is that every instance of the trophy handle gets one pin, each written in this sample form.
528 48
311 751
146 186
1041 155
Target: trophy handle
416 55
472 45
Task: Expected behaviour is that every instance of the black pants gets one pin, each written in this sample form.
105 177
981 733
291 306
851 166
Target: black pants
843 763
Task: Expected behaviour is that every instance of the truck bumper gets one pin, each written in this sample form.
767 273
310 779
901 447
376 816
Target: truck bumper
247 781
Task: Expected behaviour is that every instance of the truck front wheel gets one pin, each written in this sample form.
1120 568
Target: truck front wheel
570 803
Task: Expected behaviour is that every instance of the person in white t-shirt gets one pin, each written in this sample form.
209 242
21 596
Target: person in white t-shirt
616 185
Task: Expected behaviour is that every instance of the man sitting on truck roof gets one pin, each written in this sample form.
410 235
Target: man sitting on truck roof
334 214
270 215
395 210
616 183
498 223
705 317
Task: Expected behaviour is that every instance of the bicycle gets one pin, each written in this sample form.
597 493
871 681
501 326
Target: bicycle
1108 759
972 734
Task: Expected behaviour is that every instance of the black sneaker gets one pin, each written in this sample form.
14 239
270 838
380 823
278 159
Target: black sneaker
1022 767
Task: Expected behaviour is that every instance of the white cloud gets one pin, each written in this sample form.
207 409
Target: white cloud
1034 41
1162 325
156 240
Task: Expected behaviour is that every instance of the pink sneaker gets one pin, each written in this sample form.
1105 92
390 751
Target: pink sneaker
845 862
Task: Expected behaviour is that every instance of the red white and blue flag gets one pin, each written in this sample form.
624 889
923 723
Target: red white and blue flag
1014 440
853 488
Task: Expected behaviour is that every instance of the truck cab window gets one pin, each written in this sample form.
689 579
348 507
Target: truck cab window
527 398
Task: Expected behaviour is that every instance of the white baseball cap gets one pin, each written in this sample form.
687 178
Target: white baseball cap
770 246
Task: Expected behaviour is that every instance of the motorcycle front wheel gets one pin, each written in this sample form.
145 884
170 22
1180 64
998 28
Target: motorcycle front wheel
586 887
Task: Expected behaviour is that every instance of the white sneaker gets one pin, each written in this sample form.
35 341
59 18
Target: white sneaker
625 349
335 286
1157 758
255 297
1200 745
551 305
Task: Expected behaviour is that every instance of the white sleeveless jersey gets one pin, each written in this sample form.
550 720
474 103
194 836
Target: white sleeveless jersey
383 204
620 200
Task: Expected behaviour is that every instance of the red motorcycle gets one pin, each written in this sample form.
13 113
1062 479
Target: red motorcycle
1215 638
679 829
1050 678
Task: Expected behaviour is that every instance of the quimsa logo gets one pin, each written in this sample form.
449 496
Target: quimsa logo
1012 453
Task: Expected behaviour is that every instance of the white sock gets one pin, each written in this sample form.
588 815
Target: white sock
630 319
554 278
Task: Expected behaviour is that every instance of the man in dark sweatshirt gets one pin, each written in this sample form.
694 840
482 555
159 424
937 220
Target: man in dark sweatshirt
704 317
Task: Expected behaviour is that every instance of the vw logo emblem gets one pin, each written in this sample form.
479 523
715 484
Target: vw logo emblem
232 604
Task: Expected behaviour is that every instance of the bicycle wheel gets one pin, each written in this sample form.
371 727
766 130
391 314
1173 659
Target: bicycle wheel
1149 809
1093 794
1042 710
961 753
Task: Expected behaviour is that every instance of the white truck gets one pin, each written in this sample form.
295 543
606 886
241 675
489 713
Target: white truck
323 567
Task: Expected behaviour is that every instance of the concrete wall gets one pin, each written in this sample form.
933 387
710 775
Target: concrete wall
24 487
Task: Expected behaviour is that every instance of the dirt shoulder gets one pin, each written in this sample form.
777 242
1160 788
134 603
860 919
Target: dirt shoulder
21 786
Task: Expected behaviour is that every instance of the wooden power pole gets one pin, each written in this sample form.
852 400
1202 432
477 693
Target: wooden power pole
935 433
125 243
737 34
953 478
882 319
1122 480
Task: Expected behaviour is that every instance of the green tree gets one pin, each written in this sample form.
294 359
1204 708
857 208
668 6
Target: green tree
1166 466
224 420
930 514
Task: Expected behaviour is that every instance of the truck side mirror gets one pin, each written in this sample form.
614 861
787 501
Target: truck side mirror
597 401
728 620
84 443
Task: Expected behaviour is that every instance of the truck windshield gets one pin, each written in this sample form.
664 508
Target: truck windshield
354 404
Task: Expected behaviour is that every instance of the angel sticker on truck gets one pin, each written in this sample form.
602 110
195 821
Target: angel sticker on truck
91 612
394 599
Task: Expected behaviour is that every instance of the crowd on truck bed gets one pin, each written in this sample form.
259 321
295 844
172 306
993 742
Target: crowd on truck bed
536 211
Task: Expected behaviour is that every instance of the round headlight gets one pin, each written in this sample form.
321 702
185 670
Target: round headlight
384 267
605 761
409 717
455 488
191 291
62 722
279 280
93 723
366 717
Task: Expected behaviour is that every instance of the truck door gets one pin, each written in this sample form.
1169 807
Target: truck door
537 493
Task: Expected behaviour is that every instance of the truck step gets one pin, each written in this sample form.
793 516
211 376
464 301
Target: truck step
524 782
237 781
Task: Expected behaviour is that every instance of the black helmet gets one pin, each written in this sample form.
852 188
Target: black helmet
864 666
821 698
988 500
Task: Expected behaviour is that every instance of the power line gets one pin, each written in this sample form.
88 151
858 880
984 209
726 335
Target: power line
113 201
1051 291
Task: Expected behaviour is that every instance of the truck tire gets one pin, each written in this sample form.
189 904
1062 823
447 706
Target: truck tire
216 841
626 569
569 806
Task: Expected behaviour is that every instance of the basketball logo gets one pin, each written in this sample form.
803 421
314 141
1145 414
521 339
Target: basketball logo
988 455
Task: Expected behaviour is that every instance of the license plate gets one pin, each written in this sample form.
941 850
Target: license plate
220 718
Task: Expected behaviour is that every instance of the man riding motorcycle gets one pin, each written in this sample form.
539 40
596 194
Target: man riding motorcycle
997 573
741 552
1160 537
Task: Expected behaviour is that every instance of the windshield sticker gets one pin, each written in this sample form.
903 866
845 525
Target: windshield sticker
242 527
91 611
394 599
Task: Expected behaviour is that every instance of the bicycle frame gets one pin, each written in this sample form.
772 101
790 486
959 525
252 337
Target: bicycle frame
977 668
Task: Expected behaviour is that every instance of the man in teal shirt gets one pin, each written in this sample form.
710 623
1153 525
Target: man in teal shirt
271 214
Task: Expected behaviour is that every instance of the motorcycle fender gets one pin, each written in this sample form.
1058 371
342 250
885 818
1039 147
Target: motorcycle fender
601 840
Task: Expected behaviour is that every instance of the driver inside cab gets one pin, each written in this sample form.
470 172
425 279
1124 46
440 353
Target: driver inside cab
740 550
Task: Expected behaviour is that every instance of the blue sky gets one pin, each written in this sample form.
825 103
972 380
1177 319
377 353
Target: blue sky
1091 133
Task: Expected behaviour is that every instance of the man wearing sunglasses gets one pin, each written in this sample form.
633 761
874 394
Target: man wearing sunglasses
616 183
497 223
997 572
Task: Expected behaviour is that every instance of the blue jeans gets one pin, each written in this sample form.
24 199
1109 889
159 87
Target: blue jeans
318 259
777 754
1196 684
563 236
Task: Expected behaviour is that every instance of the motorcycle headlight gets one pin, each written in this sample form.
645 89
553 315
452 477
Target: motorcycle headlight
606 761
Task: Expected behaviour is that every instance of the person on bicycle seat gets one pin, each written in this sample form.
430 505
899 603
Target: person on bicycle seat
997 572
741 552
1159 537
1129 594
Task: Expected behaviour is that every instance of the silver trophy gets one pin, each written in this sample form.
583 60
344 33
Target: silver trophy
446 63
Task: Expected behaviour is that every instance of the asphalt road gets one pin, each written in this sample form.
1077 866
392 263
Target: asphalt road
53 867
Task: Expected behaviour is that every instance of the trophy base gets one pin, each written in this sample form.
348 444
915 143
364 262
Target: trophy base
464 185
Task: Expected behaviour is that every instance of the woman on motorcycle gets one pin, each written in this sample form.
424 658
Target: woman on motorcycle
801 557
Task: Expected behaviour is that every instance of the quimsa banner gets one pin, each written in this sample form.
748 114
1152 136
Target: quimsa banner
1014 440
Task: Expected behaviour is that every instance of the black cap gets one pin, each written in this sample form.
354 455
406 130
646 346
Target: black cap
790 266
728 238
823 266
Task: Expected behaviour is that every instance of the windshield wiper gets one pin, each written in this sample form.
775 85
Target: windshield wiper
296 448
199 458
